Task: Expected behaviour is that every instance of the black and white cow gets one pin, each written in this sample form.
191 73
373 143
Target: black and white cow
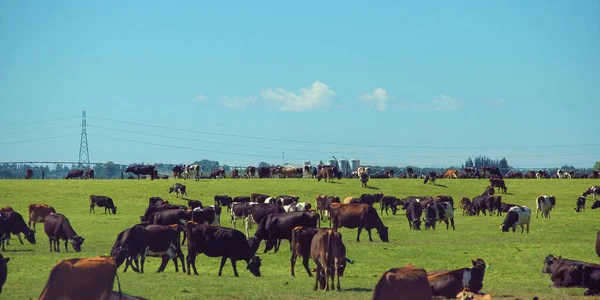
256 213
437 212
580 204
178 188
544 204
239 211
594 190
516 216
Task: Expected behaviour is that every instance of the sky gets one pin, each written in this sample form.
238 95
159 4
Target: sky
426 83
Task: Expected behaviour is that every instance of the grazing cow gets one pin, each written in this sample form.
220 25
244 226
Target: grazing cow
516 216
4 270
559 269
29 174
156 201
389 202
81 278
431 177
217 173
414 211
235 173
74 174
37 213
324 204
192 204
580 204
329 172
301 241
178 188
544 204
102 201
57 227
481 204
358 216
465 204
438 212
210 215
594 190
286 199
499 183
255 214
89 173
450 174
277 226
489 190
239 211
329 254
163 242
154 209
218 241
406 283
11 222
130 244
364 177
223 200
449 283
596 204
139 170
542 174
250 171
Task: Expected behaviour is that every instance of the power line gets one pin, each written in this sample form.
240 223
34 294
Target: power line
342 144
38 130
40 139
41 121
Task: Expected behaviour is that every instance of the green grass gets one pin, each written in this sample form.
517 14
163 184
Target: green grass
516 259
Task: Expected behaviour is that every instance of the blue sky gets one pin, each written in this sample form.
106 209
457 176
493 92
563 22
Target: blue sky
394 83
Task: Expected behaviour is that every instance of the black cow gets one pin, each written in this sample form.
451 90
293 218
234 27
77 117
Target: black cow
489 190
3 270
192 204
11 222
210 215
505 207
499 183
130 244
156 201
163 241
264 172
218 241
139 170
301 241
276 227
482 203
596 204
57 227
414 211
178 188
241 199
580 204
74 174
559 269
587 276
102 201
223 200
154 209
388 202
255 197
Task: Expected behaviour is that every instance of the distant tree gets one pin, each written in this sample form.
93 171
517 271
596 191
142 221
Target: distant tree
503 164
207 165
469 163
111 170
597 165
263 164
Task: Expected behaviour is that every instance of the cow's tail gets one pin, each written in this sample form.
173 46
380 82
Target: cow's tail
119 287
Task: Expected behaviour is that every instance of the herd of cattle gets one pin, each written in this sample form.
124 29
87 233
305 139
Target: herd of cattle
166 227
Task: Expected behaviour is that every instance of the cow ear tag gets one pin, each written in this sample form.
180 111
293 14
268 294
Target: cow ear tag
487 266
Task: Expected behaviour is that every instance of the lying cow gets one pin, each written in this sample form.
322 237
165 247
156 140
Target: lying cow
449 283
559 269
102 201
406 283
516 216
587 276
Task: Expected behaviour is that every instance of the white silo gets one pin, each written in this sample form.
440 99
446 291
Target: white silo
345 166
332 162
355 164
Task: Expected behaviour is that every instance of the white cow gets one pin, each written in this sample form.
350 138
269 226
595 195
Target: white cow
301 206
560 173
544 204
516 216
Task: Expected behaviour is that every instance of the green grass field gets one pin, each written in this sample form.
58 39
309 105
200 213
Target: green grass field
516 259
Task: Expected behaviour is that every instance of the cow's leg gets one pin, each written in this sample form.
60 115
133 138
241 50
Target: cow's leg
163 264
234 267
49 241
105 209
318 270
447 224
452 222
223 260
191 262
181 258
57 245
337 274
527 227
357 234
66 245
20 240
127 264
369 232
293 262
92 208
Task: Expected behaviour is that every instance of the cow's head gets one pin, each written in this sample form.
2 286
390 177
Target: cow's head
254 266
417 225
548 261
171 189
120 254
596 204
383 234
114 210
30 236
4 260
76 243
253 243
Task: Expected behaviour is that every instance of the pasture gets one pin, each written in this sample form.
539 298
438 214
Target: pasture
515 259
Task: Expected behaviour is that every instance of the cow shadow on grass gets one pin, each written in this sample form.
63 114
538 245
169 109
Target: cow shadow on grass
22 250
358 289
372 187
440 185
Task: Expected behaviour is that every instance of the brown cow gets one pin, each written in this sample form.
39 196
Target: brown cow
358 216
250 170
89 173
235 173
465 205
406 283
81 278
499 183
329 254
29 174
324 204
37 213
450 174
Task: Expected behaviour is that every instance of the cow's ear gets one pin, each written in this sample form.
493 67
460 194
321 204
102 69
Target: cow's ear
6 260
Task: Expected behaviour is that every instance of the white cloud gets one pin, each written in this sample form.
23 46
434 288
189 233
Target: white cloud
318 95
445 103
200 99
379 97
237 102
